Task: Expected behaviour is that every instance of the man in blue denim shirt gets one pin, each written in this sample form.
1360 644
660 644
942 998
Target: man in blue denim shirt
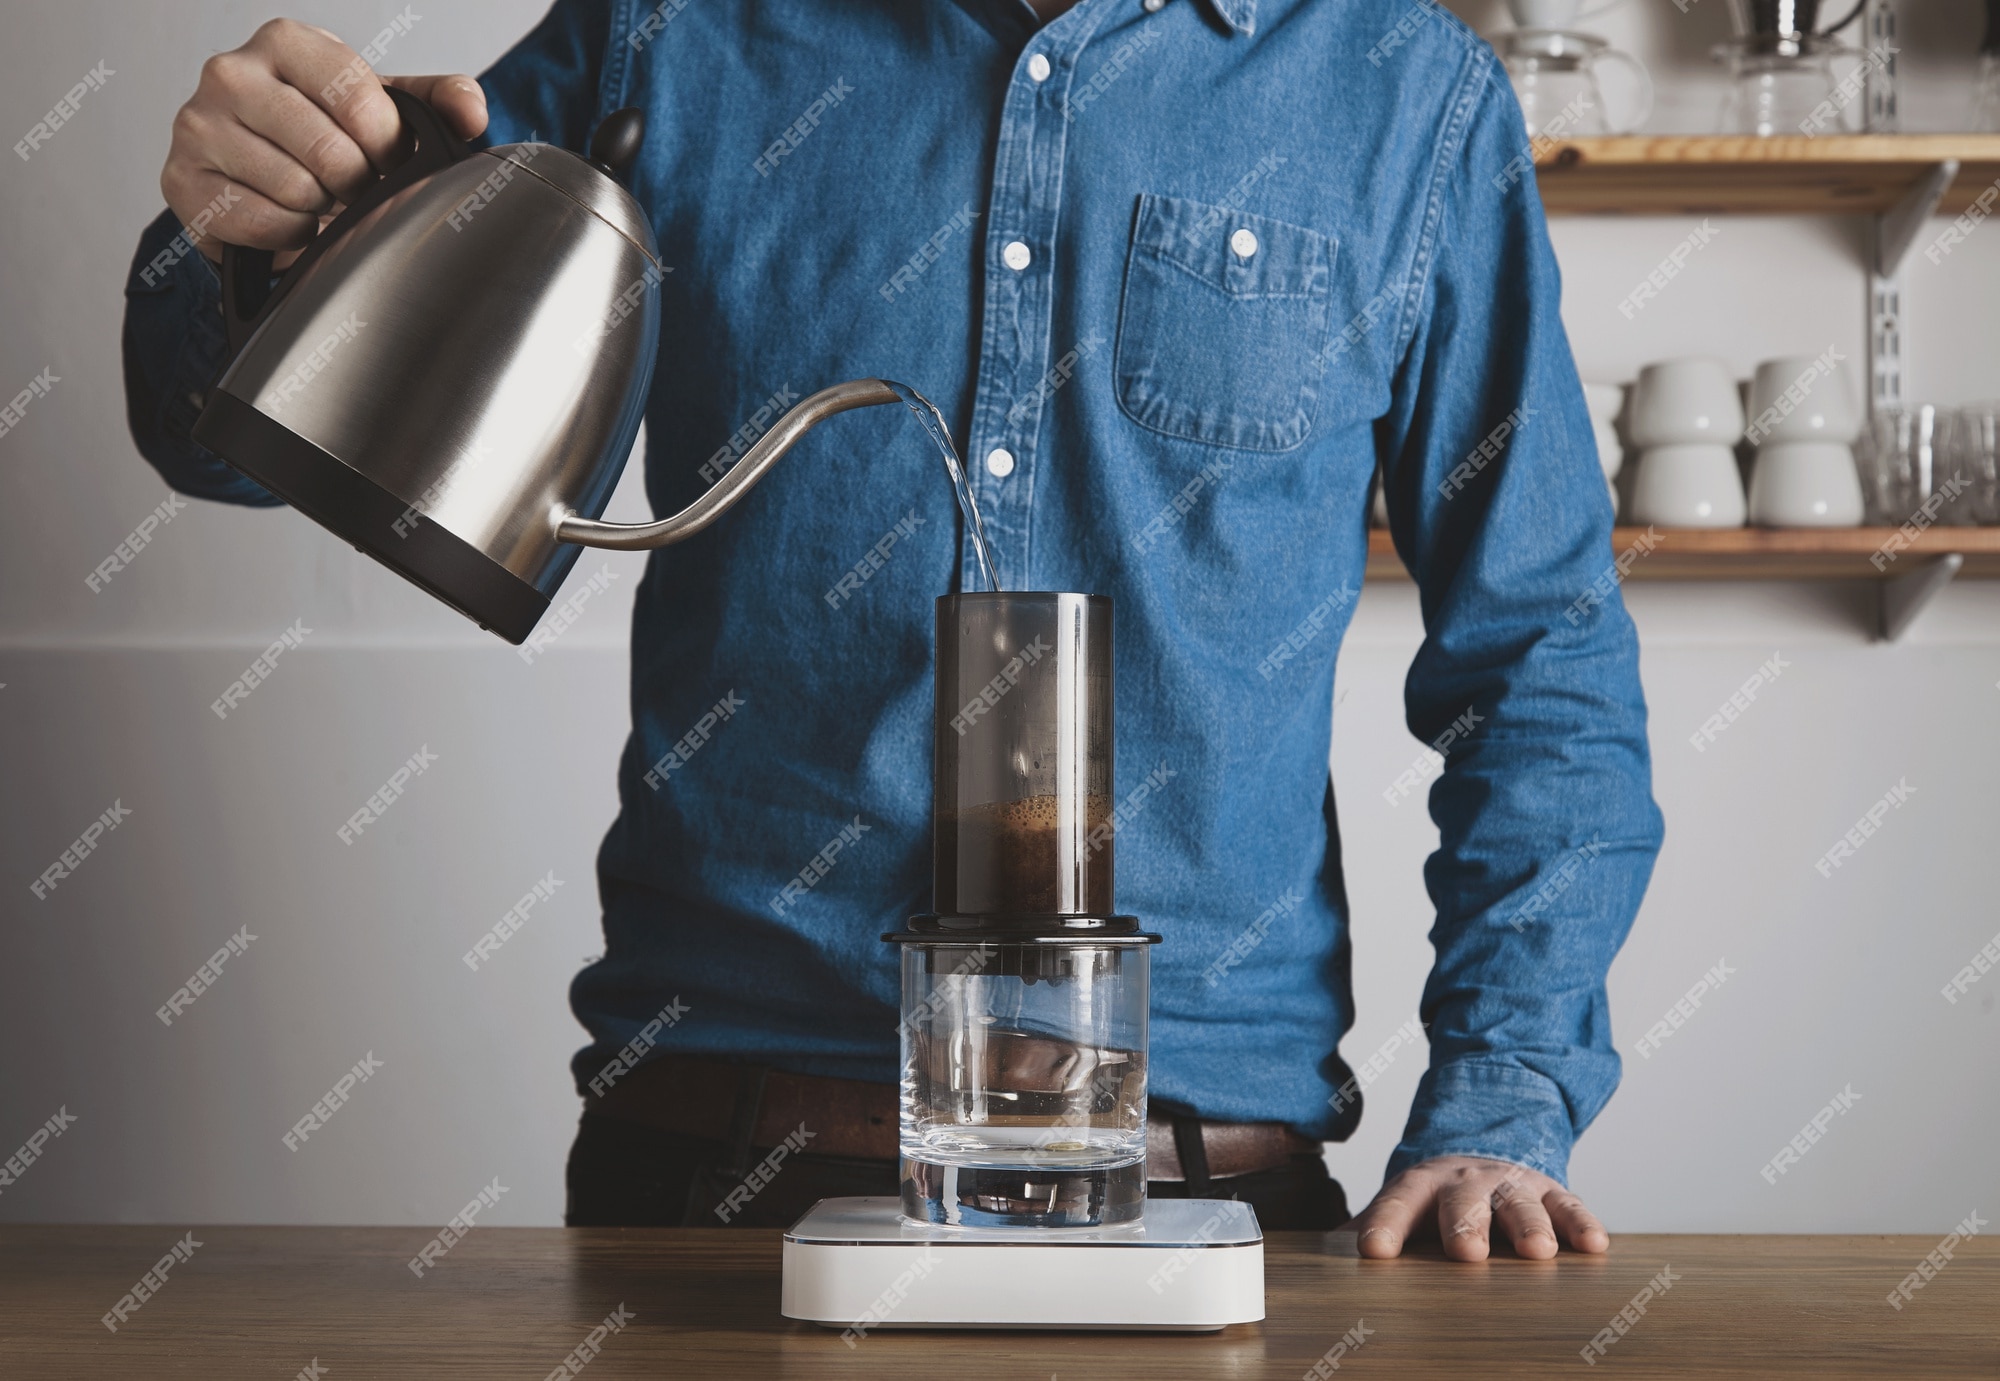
1180 274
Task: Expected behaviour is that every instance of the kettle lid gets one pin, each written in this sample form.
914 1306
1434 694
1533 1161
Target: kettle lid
585 184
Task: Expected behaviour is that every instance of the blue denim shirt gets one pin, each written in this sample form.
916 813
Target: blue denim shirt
1194 272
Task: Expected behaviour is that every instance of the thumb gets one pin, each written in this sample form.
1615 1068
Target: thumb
456 97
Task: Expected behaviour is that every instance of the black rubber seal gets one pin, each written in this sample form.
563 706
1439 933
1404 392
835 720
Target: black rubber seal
1024 930
361 512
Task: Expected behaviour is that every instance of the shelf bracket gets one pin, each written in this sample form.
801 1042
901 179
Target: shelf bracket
1903 597
1895 233
1878 36
1897 230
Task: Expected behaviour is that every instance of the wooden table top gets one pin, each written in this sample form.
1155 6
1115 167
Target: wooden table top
513 1302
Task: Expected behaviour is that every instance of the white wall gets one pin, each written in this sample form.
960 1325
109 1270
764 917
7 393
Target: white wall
1836 981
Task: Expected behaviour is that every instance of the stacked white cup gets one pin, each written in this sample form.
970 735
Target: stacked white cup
1804 422
1686 420
1604 401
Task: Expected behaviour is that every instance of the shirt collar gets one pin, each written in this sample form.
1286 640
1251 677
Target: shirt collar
1239 15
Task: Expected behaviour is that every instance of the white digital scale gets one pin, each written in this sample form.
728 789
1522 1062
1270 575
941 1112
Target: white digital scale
1186 1265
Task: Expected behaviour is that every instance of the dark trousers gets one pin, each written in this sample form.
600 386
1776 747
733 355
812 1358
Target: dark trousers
626 1174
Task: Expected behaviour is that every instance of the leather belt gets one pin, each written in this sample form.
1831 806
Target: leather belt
1231 1148
694 1096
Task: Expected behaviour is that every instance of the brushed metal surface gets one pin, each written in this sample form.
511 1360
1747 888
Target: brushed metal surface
720 497
480 346
577 178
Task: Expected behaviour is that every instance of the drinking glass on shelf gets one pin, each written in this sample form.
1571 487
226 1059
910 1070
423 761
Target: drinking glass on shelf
1985 118
1986 95
1897 456
1970 455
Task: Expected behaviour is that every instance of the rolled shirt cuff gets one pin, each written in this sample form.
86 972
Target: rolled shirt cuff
1492 1109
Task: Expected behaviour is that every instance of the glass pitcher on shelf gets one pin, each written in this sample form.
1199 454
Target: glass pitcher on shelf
1554 73
1781 76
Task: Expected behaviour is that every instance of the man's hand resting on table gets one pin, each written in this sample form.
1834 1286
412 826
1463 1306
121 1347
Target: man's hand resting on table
1465 1194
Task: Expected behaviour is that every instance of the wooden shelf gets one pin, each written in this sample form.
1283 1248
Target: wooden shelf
1748 553
1664 175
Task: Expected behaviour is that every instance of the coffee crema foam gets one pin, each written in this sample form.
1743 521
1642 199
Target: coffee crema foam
1039 812
1029 856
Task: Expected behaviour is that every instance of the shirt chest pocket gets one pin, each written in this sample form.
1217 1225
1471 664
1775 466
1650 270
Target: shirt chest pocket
1224 326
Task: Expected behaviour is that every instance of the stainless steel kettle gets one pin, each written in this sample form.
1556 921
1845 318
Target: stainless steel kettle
452 374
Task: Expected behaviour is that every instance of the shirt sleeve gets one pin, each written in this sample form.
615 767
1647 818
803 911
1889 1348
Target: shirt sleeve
175 347
551 86
561 79
1527 681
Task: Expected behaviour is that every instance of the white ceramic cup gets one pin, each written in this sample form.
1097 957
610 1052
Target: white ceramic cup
1688 486
1555 14
1544 14
1805 484
1610 454
1797 398
1604 401
1685 402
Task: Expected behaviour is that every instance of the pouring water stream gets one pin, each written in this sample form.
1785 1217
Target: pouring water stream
933 422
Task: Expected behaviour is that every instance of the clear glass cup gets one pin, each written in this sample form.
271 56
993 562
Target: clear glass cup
1971 457
1985 116
1898 459
1024 1081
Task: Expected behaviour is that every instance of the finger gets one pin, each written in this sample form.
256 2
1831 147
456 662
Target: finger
1578 1225
1521 1216
258 86
457 97
244 217
290 121
1394 1215
251 161
1465 1215
339 81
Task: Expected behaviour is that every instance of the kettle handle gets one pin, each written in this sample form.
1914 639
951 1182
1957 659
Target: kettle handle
247 291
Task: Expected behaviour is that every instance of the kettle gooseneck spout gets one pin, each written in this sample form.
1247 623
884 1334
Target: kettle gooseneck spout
722 496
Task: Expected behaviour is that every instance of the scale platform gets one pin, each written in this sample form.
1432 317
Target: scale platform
1186 1265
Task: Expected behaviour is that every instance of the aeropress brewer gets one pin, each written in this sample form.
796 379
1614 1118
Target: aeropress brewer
1023 1031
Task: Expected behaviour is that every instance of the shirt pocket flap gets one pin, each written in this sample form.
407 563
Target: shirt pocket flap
1205 241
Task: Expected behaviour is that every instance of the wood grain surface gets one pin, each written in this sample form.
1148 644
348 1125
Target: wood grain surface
1656 175
513 1302
1750 553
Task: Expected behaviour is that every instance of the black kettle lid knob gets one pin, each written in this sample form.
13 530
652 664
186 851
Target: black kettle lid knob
616 143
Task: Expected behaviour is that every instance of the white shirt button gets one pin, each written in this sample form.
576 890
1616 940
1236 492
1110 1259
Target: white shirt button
1155 6
1015 256
1038 67
999 462
1244 242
